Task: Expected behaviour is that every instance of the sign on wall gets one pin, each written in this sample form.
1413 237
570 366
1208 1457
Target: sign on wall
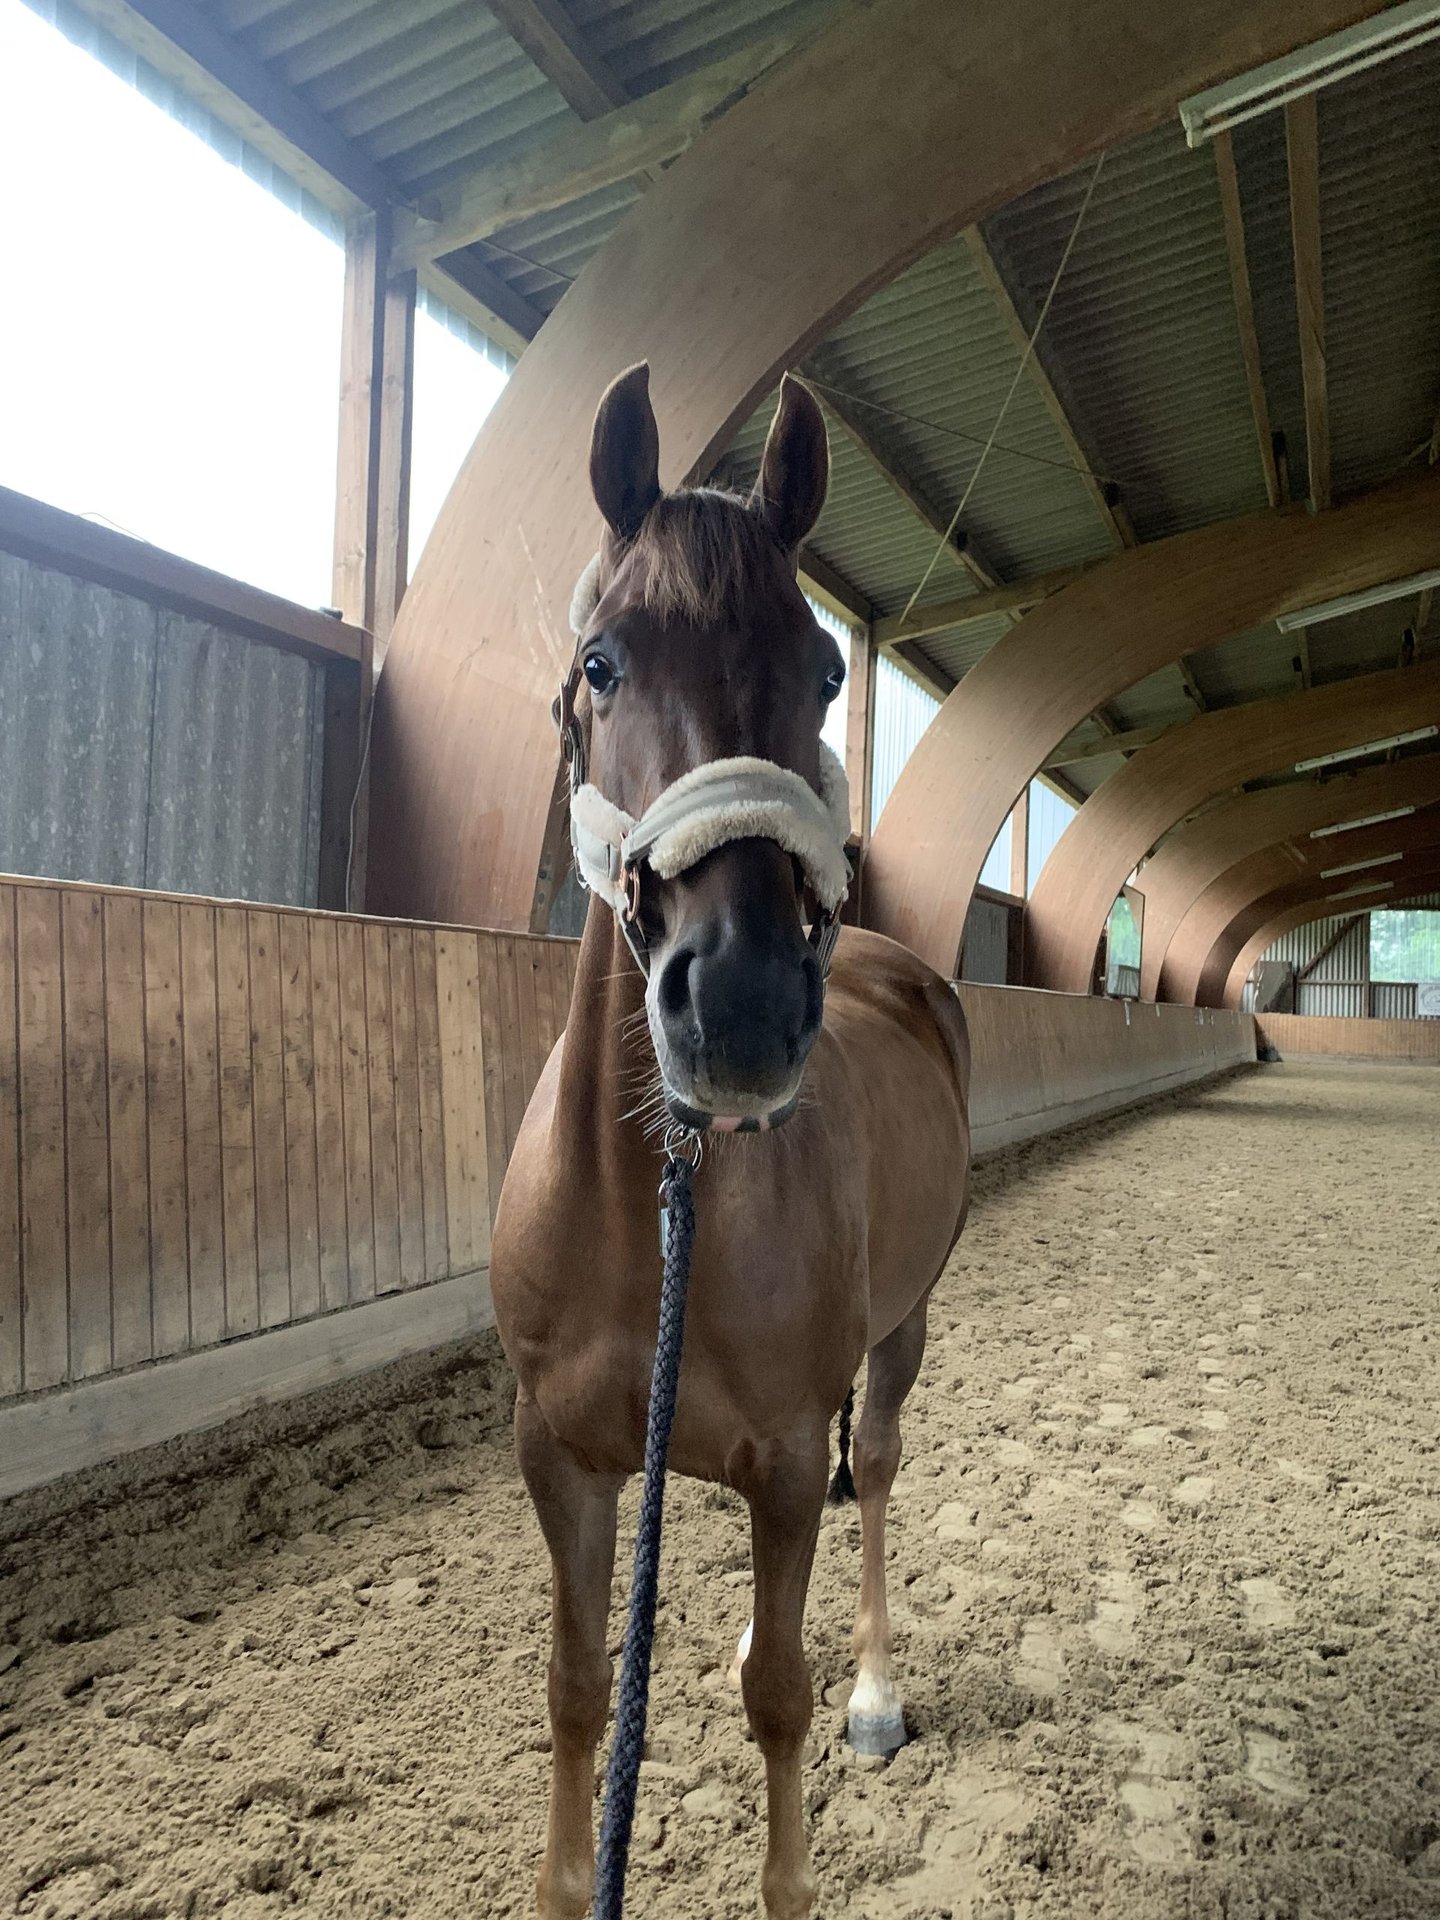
1427 999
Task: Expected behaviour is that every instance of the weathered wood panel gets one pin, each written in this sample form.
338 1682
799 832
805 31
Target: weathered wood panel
218 1119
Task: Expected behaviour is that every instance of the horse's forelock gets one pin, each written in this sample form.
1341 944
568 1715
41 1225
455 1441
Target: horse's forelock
703 557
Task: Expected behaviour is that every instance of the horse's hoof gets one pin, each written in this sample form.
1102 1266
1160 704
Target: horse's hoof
877 1733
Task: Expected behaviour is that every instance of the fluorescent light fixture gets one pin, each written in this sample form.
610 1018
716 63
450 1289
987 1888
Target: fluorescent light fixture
1367 886
1355 49
1365 820
1370 746
1358 602
1359 866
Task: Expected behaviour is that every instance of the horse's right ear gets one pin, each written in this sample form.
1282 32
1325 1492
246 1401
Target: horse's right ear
625 453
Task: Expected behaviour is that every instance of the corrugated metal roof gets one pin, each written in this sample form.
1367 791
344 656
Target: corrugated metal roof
1380 217
1142 338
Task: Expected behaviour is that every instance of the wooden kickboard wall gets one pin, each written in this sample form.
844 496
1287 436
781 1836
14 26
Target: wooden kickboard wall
218 1119
1302 1033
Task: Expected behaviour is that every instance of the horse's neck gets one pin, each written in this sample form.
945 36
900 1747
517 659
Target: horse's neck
608 1067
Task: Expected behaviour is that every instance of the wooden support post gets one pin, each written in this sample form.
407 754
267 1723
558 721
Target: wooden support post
1302 142
1020 845
372 481
860 730
397 410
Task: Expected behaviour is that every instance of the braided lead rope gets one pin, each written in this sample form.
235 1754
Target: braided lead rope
628 1748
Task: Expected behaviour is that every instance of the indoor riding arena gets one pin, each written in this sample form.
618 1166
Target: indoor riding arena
1122 325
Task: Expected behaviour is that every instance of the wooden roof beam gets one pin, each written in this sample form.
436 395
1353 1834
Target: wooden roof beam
1234 218
1302 147
941 615
544 31
625 141
1106 500
1130 740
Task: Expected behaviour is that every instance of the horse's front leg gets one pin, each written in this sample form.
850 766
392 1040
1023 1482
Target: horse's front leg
786 1492
577 1517
877 1719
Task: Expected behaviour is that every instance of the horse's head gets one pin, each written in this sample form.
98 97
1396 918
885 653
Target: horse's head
697 646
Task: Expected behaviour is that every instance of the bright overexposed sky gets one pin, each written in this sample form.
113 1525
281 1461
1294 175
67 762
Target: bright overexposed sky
171 333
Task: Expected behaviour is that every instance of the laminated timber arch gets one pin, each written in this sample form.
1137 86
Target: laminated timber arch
776 223
1274 868
1187 877
1121 620
1127 816
1281 914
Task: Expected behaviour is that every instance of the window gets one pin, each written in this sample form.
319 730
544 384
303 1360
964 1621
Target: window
903 711
1405 944
1050 815
458 378
179 327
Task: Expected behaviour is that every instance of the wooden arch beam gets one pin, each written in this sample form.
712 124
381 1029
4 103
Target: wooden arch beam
1197 855
1123 619
1137 806
1272 869
780 220
1295 907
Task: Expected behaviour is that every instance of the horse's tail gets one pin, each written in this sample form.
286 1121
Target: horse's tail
842 1487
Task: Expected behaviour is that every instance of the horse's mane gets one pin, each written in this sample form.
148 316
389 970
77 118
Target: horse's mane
705 555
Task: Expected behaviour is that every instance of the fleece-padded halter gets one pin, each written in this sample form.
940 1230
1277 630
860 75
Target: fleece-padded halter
743 798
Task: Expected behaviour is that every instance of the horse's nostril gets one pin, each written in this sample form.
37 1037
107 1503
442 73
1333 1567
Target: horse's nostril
674 988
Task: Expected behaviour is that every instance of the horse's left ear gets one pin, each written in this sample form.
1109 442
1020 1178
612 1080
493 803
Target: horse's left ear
795 470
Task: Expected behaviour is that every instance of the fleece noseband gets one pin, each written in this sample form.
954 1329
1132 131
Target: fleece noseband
722 800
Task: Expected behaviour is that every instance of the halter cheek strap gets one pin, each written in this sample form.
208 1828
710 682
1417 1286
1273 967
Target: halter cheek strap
743 798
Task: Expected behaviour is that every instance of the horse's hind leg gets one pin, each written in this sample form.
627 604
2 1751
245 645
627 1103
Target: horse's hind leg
877 1720
786 1492
577 1516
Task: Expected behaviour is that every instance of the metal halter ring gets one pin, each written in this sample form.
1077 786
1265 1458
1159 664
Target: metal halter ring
684 1143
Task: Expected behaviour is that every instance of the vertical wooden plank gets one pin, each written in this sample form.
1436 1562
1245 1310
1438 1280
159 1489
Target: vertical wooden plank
477 1158
330 1170
87 1149
562 966
355 1091
237 1119
298 1036
267 1071
531 1045
410 1180
512 1041
42 1137
204 1202
546 1019
12 1345
129 1149
451 961
432 1122
165 1128
491 1029
384 1174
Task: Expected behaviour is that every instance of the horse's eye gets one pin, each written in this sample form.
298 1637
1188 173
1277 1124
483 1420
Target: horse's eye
834 681
599 672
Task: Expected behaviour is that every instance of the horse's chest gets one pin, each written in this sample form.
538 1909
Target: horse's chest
768 1340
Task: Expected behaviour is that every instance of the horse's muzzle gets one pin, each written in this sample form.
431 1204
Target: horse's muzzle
736 1000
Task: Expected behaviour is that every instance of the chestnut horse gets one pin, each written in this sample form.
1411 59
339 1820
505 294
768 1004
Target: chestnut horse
818 1242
